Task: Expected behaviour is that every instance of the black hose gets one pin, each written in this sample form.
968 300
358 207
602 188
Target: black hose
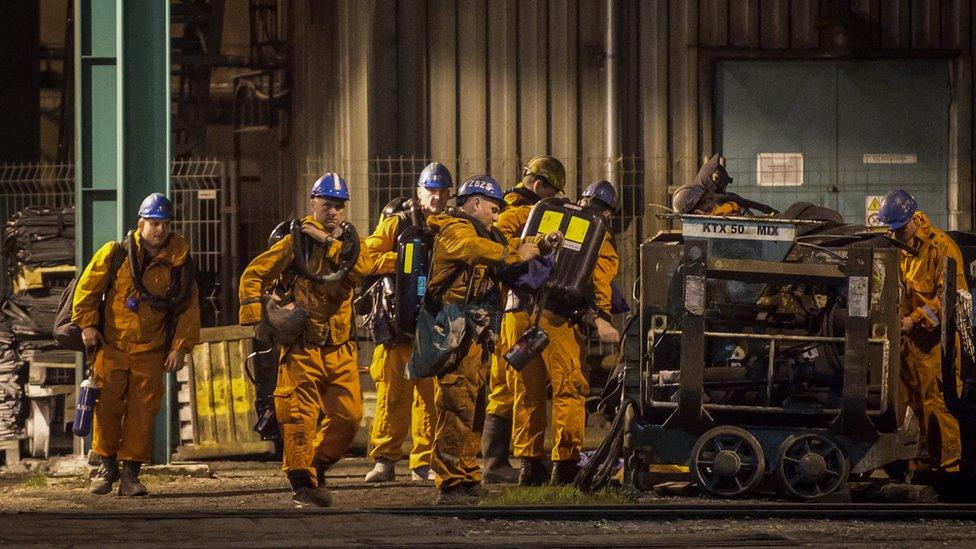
602 465
301 262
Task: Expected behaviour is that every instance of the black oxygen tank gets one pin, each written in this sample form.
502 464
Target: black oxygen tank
583 231
414 245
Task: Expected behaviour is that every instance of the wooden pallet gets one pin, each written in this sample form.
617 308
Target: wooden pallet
217 400
11 450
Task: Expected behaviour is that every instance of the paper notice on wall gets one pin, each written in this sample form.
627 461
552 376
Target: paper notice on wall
779 169
872 203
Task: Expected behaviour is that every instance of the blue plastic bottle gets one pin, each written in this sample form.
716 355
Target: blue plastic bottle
85 409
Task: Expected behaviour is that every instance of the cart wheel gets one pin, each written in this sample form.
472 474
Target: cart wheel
811 466
728 462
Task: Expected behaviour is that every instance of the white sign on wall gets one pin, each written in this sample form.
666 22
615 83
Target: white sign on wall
779 169
888 158
871 206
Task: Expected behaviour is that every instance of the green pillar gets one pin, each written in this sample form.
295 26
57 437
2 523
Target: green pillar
122 129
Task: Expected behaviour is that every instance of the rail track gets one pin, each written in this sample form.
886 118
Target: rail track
635 512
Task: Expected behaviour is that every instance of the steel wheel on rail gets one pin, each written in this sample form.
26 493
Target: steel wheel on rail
728 462
811 466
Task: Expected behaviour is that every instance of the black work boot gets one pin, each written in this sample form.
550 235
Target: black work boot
533 472
306 495
130 485
564 472
457 495
106 476
495 441
321 465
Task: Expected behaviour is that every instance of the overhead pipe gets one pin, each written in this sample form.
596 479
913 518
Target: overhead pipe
612 137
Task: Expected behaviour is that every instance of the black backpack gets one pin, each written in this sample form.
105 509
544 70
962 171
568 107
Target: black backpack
67 334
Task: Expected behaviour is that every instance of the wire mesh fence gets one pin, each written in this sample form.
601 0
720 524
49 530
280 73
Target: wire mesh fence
198 189
23 185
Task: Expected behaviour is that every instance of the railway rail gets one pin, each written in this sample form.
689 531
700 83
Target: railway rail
675 511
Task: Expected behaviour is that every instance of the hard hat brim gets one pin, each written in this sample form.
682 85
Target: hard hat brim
433 185
895 225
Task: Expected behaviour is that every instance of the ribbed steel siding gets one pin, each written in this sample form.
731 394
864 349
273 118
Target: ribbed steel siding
484 84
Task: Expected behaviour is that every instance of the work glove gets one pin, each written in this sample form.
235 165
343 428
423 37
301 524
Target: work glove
350 240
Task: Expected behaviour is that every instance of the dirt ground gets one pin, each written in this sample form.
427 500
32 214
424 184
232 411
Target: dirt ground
248 504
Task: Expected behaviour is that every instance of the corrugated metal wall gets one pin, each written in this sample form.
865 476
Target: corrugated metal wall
482 85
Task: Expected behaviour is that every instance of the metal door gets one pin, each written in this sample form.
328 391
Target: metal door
860 128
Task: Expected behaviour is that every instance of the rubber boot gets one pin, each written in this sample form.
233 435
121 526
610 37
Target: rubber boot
495 441
130 485
533 472
106 476
306 495
383 471
564 472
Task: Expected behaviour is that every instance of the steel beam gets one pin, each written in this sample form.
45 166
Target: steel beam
122 135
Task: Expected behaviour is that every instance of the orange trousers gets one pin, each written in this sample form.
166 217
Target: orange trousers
130 394
401 404
314 381
456 442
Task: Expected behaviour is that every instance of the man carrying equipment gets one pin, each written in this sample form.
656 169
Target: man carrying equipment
149 323
559 365
318 372
921 310
465 250
543 177
395 394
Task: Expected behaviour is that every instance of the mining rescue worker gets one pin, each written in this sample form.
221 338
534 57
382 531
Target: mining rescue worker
707 194
559 365
149 322
921 310
402 403
542 177
465 254
317 372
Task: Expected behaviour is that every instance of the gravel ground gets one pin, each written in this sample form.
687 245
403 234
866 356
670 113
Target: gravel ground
248 504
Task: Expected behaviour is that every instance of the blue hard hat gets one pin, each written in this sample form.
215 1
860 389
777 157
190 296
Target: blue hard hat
604 192
897 209
482 185
435 176
156 206
330 185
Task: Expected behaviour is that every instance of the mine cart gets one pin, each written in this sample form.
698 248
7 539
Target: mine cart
772 355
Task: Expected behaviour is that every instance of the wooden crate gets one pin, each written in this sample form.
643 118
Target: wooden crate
216 398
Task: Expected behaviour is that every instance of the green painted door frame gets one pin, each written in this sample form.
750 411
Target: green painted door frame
122 130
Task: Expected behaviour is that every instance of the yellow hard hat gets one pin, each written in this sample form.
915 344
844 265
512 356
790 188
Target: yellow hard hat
549 168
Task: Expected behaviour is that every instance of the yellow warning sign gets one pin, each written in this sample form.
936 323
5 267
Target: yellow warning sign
872 203
550 222
576 232
408 258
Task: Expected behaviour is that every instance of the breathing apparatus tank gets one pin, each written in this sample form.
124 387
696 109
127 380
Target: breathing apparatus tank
414 246
569 283
583 229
